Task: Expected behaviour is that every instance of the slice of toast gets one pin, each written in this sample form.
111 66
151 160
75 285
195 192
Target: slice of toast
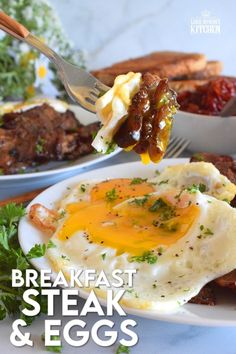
164 64
212 68
186 85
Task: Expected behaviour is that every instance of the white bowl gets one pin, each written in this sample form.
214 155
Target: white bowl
206 133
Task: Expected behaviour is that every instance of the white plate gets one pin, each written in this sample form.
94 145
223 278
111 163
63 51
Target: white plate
223 314
53 172
206 133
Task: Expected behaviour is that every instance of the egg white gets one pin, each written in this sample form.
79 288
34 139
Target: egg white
185 175
112 108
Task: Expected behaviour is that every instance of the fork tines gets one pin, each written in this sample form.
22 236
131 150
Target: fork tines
176 146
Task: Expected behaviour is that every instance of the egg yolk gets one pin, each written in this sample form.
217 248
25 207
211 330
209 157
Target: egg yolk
136 226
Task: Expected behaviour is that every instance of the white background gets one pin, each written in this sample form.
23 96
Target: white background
111 30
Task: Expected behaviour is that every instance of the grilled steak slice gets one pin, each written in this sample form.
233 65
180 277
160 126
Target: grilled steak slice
206 296
227 166
147 127
71 146
42 134
227 280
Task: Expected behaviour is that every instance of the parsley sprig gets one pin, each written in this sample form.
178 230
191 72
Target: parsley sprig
12 257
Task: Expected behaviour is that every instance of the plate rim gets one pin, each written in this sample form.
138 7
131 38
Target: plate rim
149 314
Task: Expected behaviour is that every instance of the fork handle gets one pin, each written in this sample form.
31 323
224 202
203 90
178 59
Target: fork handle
15 29
12 27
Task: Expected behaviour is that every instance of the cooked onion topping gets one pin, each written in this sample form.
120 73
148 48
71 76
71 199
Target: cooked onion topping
146 130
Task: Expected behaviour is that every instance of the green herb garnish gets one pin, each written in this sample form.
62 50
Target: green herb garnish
110 148
39 147
123 349
138 180
147 256
163 182
83 188
166 211
12 257
198 157
170 227
39 250
197 187
111 195
103 256
65 257
140 201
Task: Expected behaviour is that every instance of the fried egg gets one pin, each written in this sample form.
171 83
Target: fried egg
177 240
197 173
112 108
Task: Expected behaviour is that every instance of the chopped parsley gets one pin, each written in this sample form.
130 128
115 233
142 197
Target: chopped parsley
65 257
201 187
166 211
198 157
197 187
103 256
83 188
62 214
110 148
123 349
170 227
147 256
157 205
208 232
140 201
205 231
163 182
157 172
40 146
111 195
138 180
94 135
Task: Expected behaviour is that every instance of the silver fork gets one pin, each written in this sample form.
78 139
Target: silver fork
81 86
176 146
